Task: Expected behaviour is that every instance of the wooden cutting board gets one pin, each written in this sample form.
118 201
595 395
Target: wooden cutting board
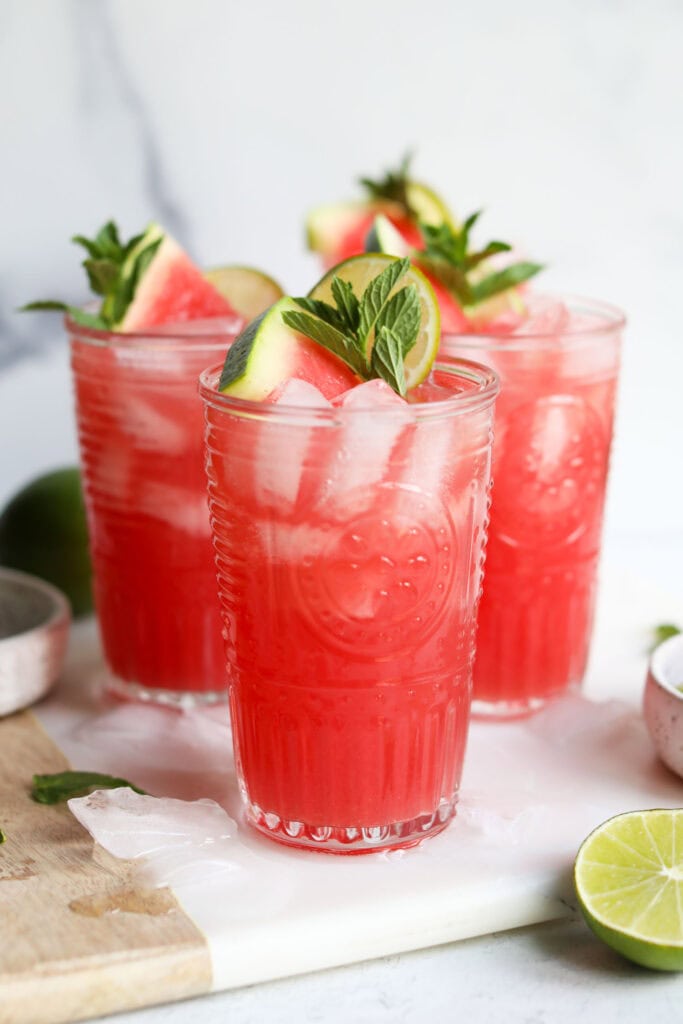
66 953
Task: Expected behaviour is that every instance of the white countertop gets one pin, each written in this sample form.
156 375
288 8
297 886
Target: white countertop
555 973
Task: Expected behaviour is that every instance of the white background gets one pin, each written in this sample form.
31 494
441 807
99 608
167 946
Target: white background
226 121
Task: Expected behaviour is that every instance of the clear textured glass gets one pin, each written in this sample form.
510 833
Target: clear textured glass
553 430
349 546
140 427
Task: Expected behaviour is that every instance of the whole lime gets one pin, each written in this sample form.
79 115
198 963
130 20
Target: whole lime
43 531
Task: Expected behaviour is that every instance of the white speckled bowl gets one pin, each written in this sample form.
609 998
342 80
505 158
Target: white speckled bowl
34 628
663 702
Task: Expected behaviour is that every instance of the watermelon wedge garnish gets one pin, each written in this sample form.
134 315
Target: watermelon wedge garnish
143 283
338 231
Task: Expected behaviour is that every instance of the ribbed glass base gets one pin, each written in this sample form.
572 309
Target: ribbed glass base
507 710
352 840
183 699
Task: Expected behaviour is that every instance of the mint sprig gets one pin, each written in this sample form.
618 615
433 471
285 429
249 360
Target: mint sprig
447 255
114 270
372 333
393 186
54 789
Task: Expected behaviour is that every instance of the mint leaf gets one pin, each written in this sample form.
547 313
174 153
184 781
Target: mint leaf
324 311
451 276
501 280
54 789
387 359
475 258
344 329
114 271
3 837
393 186
102 275
448 257
376 294
327 336
347 304
78 315
44 304
401 315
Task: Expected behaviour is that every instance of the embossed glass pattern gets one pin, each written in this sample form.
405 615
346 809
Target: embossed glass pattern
140 426
349 547
553 430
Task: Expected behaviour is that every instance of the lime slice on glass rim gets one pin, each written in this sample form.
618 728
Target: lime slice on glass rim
428 206
628 877
359 271
249 290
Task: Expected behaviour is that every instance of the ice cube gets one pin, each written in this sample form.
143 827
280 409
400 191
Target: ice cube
373 419
177 838
432 453
282 448
180 507
150 428
545 316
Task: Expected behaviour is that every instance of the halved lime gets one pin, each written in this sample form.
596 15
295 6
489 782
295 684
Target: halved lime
248 290
629 881
359 271
43 531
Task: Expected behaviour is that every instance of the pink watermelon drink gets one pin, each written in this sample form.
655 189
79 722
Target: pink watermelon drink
349 530
140 430
558 372
558 366
136 359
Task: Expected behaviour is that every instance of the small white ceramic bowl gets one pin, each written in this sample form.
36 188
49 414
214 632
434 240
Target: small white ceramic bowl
34 628
663 702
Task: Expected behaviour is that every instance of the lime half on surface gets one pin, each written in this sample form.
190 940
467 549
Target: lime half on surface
629 882
43 531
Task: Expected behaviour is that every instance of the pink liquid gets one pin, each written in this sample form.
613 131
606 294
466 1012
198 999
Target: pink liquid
140 424
348 591
553 430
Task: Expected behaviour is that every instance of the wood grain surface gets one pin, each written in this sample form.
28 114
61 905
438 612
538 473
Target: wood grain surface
79 938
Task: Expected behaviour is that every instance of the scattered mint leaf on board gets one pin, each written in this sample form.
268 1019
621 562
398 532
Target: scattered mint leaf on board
114 270
345 328
54 789
3 837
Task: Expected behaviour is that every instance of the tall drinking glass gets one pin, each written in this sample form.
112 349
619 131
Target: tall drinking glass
349 547
140 426
553 429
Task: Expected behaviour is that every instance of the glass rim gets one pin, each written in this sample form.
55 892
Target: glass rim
477 398
175 336
613 321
